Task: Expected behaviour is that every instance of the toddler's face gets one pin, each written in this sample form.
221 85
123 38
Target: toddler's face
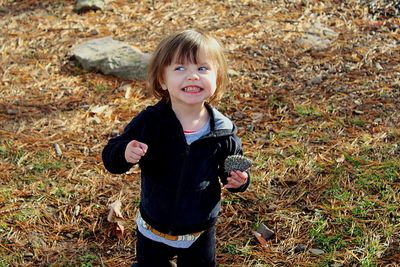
189 83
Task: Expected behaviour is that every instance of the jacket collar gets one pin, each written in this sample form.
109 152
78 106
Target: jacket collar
220 125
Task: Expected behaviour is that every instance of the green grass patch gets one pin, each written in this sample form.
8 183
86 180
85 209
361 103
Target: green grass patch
231 249
3 152
357 121
292 162
99 88
28 214
260 159
88 260
292 134
354 160
5 193
307 111
226 202
365 209
372 252
324 237
4 227
44 161
339 193
276 102
7 260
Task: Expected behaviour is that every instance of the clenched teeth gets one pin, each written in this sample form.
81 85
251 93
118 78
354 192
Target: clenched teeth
192 89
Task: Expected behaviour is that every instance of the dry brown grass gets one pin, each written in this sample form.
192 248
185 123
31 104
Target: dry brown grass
326 150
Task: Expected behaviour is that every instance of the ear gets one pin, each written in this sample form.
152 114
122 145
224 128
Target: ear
163 86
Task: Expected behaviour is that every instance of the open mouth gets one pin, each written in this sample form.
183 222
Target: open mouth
192 89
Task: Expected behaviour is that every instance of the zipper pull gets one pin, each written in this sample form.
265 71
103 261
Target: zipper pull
187 149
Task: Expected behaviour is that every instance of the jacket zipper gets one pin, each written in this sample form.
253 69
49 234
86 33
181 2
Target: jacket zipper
180 187
181 179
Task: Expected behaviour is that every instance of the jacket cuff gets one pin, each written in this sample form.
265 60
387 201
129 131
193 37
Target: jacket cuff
242 188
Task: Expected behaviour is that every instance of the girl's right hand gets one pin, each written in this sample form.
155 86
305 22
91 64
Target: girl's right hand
134 151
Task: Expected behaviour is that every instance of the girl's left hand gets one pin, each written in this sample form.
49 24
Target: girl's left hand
237 179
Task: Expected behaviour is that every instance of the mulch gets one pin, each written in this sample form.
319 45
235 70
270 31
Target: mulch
290 98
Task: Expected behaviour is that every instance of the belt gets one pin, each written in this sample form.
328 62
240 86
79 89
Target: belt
186 237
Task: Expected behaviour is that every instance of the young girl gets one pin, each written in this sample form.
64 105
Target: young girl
180 144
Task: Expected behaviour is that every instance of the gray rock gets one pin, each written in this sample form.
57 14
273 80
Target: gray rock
112 57
318 36
36 240
86 5
265 232
233 73
299 248
316 251
28 255
316 80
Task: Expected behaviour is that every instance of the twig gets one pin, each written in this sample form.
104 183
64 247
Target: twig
101 260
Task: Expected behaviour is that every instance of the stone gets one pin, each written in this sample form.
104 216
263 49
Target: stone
112 57
299 248
317 36
316 251
87 5
233 73
316 80
28 255
265 232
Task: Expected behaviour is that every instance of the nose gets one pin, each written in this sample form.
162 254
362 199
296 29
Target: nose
193 76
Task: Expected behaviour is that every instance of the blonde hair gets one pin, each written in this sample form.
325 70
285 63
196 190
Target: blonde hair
185 46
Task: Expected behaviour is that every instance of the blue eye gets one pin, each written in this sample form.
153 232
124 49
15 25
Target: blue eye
180 68
203 68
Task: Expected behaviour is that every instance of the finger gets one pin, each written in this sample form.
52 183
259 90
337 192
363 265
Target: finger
134 156
138 151
236 177
143 146
132 160
134 143
229 185
241 176
232 183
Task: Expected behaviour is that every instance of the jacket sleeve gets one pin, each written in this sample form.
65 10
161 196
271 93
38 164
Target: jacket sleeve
233 146
113 154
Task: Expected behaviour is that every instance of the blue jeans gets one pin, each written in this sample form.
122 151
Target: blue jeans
150 253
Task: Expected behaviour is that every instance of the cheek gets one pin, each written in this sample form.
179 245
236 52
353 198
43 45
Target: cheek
165 82
161 81
214 82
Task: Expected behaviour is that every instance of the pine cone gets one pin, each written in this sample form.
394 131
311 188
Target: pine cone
236 163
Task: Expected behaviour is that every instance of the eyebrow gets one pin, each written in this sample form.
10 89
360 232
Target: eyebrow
187 62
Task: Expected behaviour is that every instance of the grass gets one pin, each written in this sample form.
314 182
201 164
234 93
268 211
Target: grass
356 217
87 260
326 161
356 212
307 111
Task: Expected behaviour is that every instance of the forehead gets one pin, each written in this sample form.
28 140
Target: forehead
195 56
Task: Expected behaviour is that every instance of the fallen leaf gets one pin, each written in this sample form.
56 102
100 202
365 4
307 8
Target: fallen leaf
116 219
114 211
119 229
99 109
260 239
341 159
